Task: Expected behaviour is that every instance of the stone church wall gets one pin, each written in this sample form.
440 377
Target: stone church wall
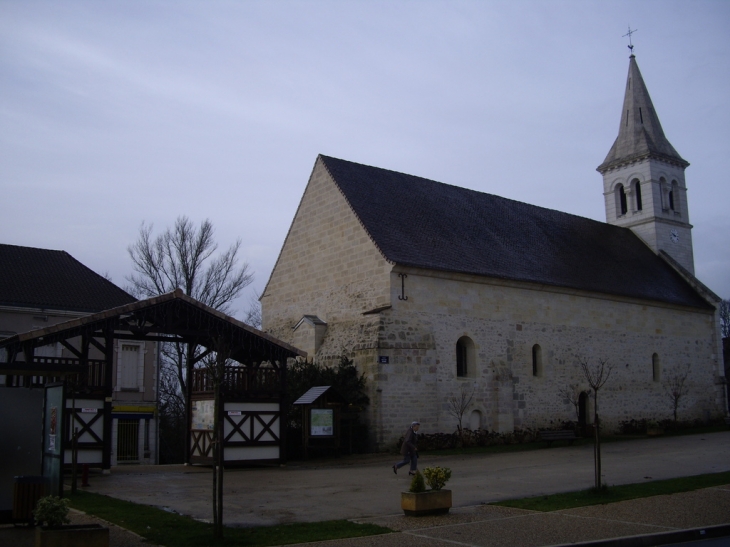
418 337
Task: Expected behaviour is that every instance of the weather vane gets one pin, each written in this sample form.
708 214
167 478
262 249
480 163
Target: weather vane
629 33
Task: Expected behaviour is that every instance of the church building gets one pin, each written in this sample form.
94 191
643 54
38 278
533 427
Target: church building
434 289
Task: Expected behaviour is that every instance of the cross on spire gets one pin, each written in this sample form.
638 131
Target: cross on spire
629 33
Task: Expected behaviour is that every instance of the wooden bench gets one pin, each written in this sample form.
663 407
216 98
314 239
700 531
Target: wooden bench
563 435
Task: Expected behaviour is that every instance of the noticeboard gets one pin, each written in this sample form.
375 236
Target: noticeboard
203 414
321 422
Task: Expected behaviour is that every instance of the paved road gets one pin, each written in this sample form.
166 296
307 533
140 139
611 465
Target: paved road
365 486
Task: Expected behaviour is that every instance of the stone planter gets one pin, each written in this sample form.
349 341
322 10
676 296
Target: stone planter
73 535
430 502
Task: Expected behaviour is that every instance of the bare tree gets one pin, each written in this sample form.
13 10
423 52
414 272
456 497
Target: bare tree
184 257
675 387
172 417
596 376
459 403
253 313
572 395
725 318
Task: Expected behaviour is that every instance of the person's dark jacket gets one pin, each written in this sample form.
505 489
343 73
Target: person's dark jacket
410 442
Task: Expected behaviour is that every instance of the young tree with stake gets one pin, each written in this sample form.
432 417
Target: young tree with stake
596 376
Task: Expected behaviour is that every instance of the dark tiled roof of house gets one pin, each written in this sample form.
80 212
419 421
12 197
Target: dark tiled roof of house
422 223
42 278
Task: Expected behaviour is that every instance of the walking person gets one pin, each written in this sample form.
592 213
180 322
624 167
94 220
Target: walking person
409 449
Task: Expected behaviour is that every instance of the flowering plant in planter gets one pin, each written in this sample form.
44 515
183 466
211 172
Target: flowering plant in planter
436 477
419 501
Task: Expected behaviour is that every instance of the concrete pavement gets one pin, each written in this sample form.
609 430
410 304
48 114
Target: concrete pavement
365 486
364 489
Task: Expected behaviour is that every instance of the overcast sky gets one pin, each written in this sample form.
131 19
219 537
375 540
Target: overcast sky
115 113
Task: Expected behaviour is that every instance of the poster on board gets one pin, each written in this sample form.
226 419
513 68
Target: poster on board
203 414
322 422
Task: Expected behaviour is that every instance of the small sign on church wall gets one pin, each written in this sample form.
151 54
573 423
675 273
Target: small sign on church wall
383 359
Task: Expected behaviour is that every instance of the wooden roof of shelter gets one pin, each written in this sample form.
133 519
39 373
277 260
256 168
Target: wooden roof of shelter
171 317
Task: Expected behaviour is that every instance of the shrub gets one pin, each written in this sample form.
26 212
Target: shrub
417 483
469 438
51 512
437 477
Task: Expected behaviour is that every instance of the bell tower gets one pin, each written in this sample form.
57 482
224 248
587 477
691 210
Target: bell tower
643 177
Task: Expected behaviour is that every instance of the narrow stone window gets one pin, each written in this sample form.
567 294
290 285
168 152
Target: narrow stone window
674 197
621 195
664 189
461 358
656 368
465 361
537 361
637 191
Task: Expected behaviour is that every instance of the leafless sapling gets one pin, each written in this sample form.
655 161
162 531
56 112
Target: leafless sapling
459 403
675 386
571 394
597 376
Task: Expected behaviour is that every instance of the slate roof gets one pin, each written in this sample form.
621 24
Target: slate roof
427 224
42 278
640 134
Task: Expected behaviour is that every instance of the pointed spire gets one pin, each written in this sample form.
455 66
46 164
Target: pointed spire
640 134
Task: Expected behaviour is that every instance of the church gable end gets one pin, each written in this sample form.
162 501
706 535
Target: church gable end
328 266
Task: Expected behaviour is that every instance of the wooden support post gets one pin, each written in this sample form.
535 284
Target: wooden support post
106 458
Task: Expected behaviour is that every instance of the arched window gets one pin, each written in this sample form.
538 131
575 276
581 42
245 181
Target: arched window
621 199
475 420
637 192
665 190
537 361
465 361
656 368
674 197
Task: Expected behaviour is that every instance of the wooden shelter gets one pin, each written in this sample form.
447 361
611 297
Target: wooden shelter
252 390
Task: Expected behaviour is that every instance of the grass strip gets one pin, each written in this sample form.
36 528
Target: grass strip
171 529
614 494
